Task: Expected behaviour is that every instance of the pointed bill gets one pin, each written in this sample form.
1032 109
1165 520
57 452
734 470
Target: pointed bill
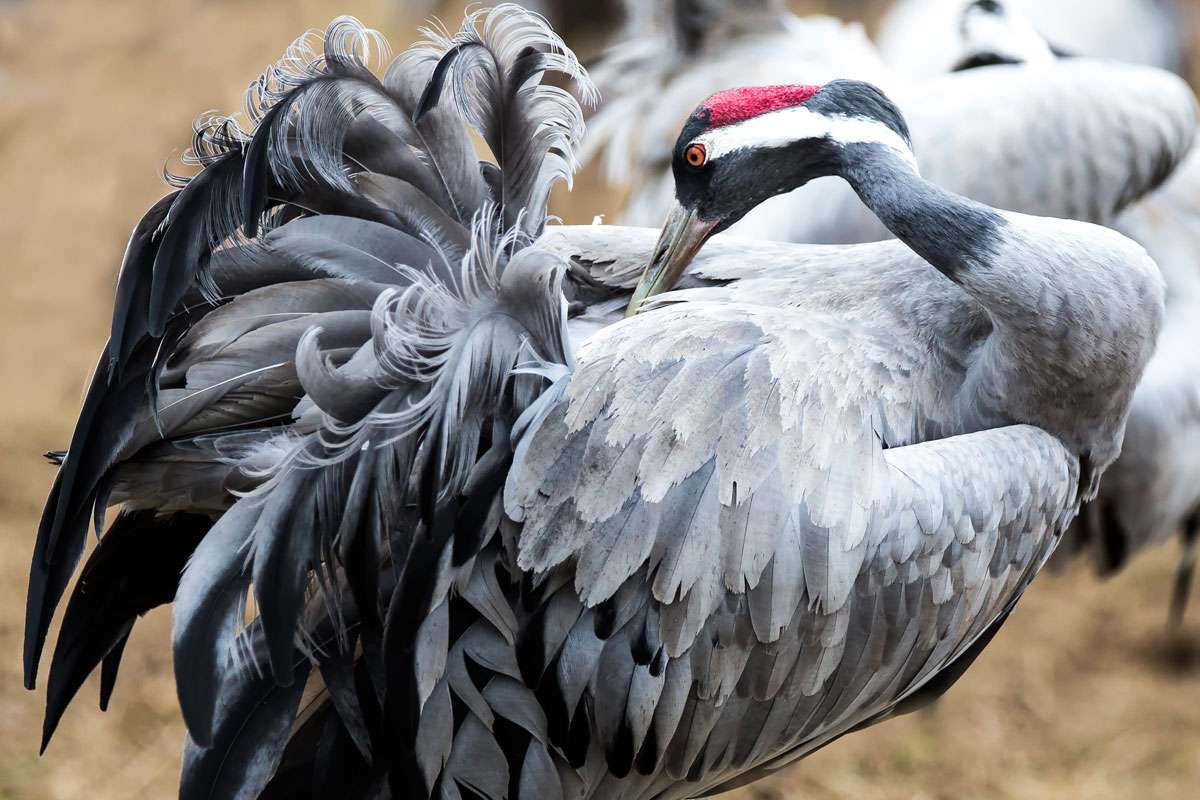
682 236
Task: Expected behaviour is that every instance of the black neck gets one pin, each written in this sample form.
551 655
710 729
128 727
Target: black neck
949 231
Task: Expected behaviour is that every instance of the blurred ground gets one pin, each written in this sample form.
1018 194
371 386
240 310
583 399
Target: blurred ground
1082 694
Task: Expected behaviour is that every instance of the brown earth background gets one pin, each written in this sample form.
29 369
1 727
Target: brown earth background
1084 694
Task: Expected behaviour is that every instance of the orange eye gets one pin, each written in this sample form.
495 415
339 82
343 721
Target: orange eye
696 155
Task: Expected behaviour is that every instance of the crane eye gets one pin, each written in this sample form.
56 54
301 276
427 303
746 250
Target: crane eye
695 154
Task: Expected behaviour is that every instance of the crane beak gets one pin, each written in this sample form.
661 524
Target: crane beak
683 234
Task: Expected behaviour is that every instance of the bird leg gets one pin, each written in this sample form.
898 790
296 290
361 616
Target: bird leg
1184 571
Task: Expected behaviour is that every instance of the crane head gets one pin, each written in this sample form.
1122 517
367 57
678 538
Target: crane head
993 33
743 146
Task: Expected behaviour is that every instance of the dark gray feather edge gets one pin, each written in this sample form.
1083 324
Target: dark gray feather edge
251 734
109 667
337 672
285 547
206 616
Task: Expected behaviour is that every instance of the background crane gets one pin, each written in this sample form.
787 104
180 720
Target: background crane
1153 492
917 37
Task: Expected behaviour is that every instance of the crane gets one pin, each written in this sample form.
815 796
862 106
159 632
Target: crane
918 37
994 34
430 526
1151 493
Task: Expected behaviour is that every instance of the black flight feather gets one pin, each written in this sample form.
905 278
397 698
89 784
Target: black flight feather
134 569
108 670
285 546
256 170
129 322
63 526
200 219
264 165
410 604
338 674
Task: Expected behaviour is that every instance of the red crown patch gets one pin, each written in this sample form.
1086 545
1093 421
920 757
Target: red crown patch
735 105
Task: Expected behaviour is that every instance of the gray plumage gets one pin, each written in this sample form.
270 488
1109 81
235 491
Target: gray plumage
491 558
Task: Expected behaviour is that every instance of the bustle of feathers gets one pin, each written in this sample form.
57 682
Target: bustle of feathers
324 338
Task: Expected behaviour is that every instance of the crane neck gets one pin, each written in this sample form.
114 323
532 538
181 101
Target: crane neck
951 232
1074 310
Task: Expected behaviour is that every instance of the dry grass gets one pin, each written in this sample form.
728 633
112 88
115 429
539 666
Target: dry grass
1082 695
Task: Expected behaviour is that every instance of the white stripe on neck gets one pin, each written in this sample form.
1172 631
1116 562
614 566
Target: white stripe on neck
787 125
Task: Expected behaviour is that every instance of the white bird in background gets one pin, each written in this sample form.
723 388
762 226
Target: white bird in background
918 37
1152 492
492 559
991 34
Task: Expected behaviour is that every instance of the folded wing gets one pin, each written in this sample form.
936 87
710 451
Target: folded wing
740 562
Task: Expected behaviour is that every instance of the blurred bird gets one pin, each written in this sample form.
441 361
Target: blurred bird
499 548
993 34
918 37
1152 491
